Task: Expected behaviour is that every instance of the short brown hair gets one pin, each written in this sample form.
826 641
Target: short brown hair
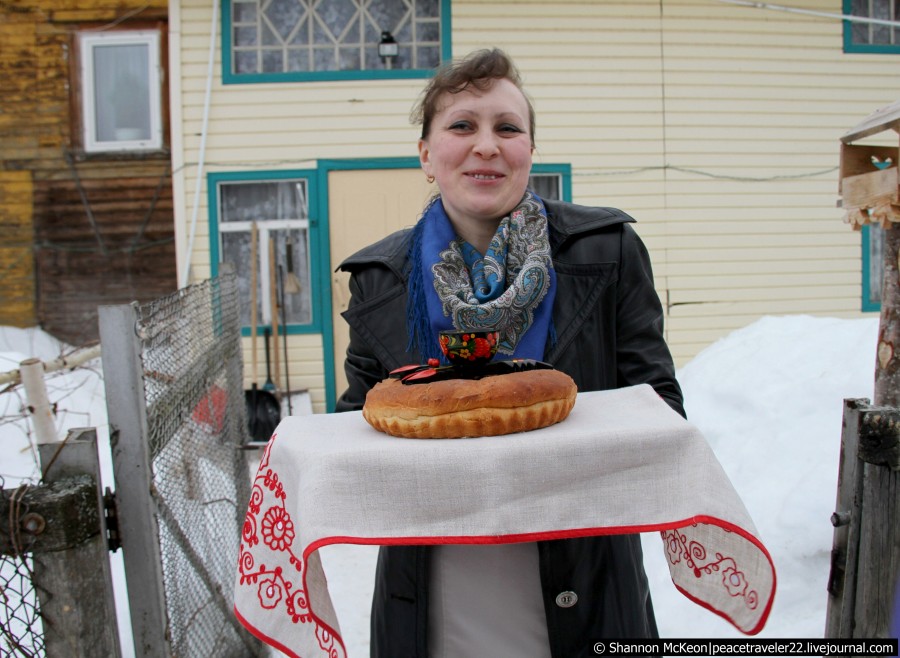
478 69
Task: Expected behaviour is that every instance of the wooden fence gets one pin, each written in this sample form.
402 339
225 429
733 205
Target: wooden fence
62 525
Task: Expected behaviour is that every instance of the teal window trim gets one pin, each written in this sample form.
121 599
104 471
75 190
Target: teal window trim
230 78
565 172
351 164
867 306
851 47
318 268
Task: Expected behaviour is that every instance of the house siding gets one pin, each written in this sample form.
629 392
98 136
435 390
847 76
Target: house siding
716 126
78 231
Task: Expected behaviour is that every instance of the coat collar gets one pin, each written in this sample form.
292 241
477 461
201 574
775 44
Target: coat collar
567 220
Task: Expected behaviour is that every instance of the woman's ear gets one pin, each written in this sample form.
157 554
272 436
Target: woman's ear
425 157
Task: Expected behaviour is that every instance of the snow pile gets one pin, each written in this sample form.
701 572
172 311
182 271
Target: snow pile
769 399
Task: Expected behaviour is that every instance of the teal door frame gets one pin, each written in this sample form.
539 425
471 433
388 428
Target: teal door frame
324 168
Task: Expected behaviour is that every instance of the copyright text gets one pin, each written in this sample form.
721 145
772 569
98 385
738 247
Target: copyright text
746 647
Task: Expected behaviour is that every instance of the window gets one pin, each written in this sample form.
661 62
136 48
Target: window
546 186
551 181
280 210
865 37
294 40
120 88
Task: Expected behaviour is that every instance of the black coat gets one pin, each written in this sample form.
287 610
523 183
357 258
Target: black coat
609 325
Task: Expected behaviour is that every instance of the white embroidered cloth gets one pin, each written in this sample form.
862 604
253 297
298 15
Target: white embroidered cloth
622 462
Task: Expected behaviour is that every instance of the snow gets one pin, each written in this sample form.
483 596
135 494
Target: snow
768 398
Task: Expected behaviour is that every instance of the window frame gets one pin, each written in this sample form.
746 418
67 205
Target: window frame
852 47
564 171
868 286
228 77
317 323
83 88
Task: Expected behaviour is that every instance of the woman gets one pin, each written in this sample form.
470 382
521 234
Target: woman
567 284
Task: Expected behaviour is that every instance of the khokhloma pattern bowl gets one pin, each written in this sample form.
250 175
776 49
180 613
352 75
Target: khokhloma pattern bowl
469 348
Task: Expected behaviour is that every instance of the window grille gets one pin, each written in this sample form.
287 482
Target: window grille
280 211
331 36
872 37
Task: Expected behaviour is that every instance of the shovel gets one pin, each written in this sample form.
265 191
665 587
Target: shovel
263 410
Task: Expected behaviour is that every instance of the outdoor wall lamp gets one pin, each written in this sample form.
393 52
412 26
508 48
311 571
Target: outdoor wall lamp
388 49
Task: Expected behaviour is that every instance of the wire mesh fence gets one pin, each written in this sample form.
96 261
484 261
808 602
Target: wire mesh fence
21 632
72 384
196 419
190 375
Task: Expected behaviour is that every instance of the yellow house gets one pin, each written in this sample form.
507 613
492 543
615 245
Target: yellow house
715 123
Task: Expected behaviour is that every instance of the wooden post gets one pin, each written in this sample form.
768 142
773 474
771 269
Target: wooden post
840 610
887 367
866 555
879 538
74 586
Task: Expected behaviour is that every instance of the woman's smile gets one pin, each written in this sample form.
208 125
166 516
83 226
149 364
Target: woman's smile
477 175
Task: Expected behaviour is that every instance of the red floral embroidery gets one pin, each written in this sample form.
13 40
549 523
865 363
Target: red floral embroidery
276 590
735 581
694 555
673 548
269 593
277 529
249 531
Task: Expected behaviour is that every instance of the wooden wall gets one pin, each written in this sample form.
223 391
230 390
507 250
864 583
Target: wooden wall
16 262
77 231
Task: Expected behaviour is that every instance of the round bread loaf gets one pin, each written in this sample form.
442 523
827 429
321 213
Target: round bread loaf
457 408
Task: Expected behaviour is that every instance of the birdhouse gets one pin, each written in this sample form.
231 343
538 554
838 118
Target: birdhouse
869 184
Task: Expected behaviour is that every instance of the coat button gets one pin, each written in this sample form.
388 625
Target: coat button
566 599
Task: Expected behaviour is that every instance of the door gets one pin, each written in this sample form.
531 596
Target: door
365 206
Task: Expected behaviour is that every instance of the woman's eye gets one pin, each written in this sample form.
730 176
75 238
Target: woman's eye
460 125
510 128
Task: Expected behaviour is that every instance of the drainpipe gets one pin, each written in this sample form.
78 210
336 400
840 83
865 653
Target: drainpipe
186 270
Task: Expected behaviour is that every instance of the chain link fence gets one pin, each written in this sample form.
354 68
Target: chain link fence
70 379
196 420
187 347
21 632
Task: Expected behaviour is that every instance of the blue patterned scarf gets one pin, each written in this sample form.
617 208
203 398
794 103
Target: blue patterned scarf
510 288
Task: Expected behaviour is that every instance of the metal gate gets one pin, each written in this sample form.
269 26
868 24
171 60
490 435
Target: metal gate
174 387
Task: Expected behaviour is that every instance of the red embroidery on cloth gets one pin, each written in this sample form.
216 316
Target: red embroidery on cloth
268 519
694 554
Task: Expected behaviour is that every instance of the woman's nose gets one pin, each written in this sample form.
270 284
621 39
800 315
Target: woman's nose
486 144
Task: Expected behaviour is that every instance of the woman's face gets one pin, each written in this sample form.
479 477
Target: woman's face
479 152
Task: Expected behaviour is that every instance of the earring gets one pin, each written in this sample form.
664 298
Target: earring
429 179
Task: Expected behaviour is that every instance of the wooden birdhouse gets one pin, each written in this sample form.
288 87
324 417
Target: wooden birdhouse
869 185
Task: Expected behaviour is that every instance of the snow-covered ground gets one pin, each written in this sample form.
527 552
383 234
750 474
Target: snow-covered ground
768 398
